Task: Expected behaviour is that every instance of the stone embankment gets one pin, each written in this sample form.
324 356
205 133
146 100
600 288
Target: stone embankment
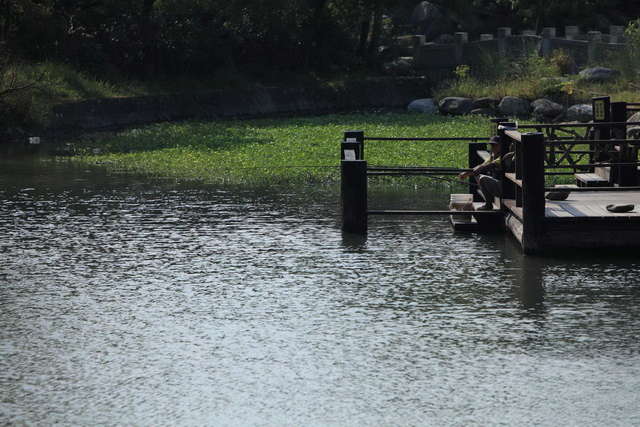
111 113
542 109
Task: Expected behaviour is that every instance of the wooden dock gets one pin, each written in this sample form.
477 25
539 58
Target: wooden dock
606 173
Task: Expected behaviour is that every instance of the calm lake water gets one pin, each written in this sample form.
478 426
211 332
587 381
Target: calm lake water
137 301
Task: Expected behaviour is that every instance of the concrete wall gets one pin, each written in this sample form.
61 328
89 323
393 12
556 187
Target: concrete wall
114 113
584 48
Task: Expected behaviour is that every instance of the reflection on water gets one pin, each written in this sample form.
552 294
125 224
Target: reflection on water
128 300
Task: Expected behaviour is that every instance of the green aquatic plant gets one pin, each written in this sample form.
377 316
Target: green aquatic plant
277 150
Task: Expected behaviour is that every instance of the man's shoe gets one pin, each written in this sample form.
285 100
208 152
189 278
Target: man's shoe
485 208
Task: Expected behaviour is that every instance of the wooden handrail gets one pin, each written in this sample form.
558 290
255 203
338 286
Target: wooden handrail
434 139
514 134
576 125
593 141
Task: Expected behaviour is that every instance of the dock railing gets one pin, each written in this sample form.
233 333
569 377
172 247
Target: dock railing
599 148
355 173
524 188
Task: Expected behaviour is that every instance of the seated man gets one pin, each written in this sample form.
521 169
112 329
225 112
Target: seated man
488 175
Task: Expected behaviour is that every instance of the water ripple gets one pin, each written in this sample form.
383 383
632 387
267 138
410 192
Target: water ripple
153 303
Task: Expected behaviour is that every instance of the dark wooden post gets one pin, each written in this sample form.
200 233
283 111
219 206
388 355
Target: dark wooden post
475 160
494 123
353 189
623 175
601 113
509 191
533 203
356 139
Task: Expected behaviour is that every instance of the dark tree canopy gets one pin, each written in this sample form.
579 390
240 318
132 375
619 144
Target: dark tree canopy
148 37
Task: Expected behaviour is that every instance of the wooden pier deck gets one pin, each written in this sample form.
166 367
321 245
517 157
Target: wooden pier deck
605 173
586 205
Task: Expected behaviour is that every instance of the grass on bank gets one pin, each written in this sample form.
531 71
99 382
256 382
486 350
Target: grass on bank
52 83
273 151
532 77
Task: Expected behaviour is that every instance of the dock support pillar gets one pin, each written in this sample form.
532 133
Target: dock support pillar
533 203
353 189
623 175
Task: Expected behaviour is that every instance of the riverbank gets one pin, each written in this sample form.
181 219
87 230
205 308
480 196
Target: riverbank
60 100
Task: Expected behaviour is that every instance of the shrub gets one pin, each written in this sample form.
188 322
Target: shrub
15 97
630 66
564 62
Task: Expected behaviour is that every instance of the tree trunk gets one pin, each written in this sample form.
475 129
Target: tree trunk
376 30
364 35
147 38
313 40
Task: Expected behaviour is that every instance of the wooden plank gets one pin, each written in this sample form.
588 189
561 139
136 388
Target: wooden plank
514 224
459 224
556 210
590 180
510 204
573 210
592 210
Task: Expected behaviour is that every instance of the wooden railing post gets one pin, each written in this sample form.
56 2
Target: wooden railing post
494 123
355 139
533 203
475 160
601 113
623 175
509 190
353 189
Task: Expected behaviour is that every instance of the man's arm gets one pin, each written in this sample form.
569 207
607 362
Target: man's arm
481 168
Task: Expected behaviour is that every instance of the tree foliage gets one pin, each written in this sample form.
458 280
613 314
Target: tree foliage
148 37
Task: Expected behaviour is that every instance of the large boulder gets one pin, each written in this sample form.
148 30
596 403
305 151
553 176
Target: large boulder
483 112
544 110
485 102
580 113
424 105
513 106
455 105
598 74
633 131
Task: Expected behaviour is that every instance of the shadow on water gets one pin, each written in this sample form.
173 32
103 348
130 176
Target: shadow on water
354 242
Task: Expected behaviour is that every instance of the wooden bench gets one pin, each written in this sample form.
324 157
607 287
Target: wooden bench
487 221
591 180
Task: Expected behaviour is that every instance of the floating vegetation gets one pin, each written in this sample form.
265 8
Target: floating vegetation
277 150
